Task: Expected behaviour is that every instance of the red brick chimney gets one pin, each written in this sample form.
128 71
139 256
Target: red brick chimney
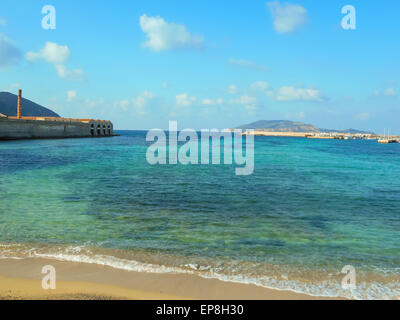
19 109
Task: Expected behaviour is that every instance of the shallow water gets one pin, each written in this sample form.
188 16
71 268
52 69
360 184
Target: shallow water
310 208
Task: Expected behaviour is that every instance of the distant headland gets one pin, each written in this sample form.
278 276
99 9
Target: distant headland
293 126
286 128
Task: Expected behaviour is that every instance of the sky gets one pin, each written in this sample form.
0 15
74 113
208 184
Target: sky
207 64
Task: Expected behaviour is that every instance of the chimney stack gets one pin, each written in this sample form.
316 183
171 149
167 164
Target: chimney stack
19 109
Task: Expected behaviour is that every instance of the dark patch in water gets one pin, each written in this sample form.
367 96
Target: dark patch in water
317 222
261 242
72 199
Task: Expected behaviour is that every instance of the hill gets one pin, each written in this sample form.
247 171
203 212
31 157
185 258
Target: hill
280 126
291 126
350 131
8 107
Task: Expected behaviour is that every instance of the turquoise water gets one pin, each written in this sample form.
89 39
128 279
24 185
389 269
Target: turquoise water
310 208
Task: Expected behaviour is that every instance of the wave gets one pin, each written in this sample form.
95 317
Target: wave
369 287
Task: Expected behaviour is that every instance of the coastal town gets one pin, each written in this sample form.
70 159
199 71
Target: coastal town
328 135
287 128
385 139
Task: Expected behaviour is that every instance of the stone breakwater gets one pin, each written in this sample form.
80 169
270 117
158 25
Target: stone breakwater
48 128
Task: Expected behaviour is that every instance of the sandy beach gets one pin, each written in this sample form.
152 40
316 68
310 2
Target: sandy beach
21 279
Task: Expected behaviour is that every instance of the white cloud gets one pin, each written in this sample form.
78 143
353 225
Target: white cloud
138 104
9 53
124 104
290 93
71 95
141 101
51 52
248 64
209 102
57 55
64 72
94 103
248 102
3 21
264 87
295 116
184 100
287 17
261 85
13 87
162 35
390 92
362 116
232 89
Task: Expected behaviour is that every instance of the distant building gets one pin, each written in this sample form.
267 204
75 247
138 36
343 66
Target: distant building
21 127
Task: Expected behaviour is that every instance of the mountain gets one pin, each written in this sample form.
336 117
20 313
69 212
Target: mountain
280 125
8 107
350 131
292 126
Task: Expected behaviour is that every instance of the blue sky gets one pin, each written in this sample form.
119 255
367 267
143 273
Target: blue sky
206 63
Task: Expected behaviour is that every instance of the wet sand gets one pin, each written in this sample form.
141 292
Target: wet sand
22 279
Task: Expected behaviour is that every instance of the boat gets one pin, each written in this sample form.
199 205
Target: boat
387 139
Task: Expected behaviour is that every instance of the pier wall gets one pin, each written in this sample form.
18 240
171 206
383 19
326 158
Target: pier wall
45 129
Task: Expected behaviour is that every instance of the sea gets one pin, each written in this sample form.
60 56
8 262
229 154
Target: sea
311 211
